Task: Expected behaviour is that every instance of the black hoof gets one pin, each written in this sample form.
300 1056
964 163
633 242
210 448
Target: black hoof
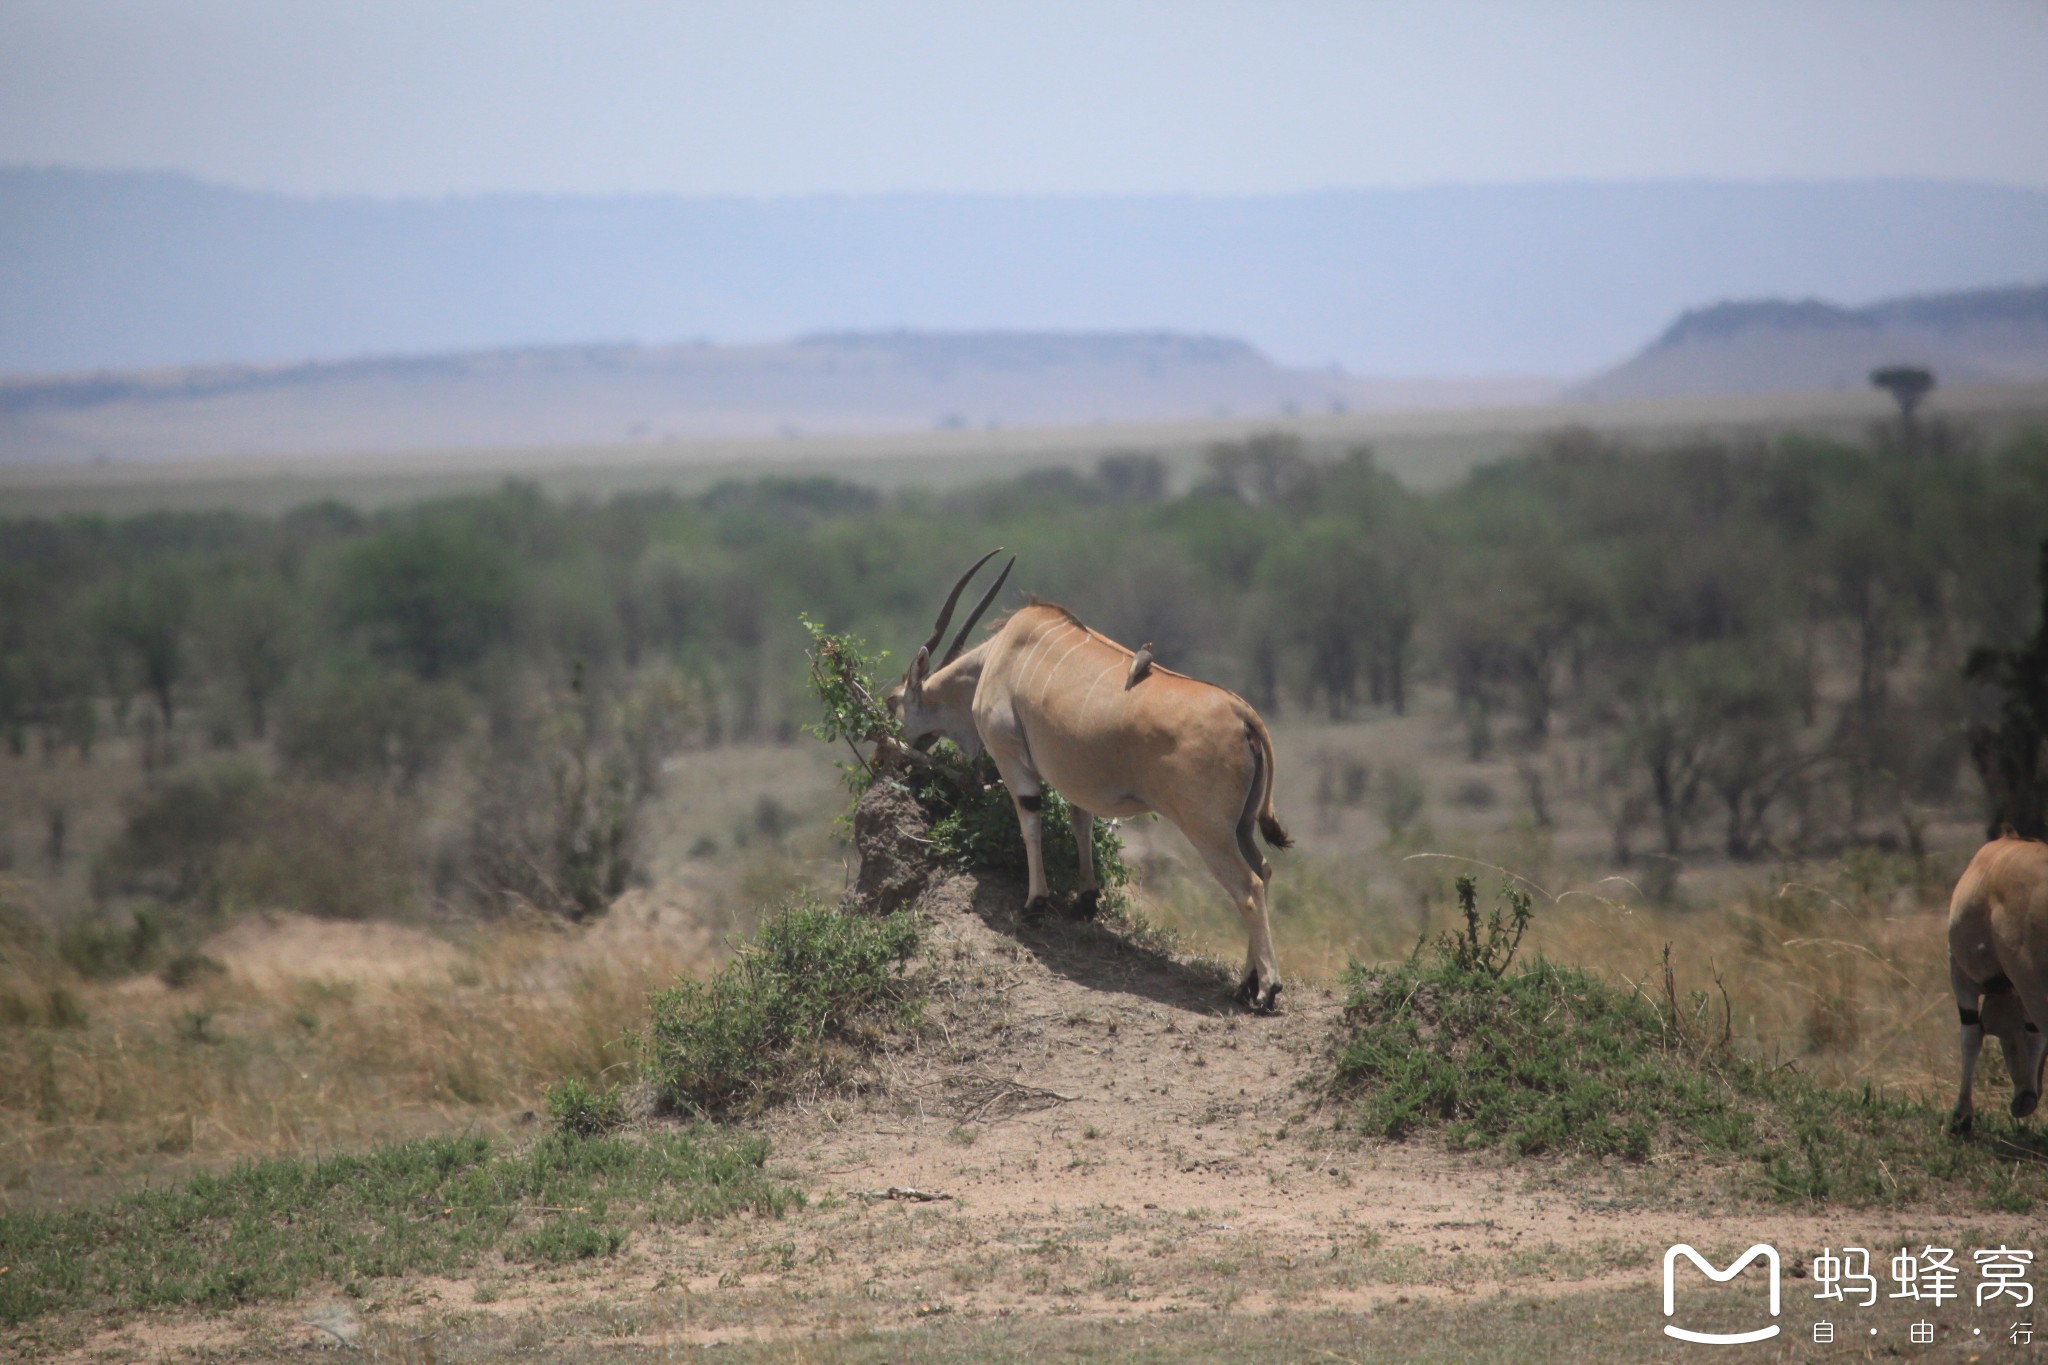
1035 909
1254 998
2023 1103
1959 1125
1087 905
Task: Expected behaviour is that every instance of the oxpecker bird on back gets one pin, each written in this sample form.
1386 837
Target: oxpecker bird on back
1141 664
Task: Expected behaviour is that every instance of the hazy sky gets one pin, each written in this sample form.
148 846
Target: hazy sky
403 97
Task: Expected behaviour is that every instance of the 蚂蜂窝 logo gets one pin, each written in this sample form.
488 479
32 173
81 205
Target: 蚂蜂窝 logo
1735 1267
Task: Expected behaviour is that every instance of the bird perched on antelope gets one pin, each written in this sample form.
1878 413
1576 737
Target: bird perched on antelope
1998 965
1141 664
1057 705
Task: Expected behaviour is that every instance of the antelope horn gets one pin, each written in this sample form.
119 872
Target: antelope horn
979 608
953 600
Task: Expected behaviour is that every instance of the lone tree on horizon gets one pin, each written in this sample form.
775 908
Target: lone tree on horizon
1907 384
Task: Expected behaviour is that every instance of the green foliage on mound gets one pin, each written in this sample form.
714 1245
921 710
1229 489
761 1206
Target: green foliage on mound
975 826
271 1229
849 696
1543 1059
793 1008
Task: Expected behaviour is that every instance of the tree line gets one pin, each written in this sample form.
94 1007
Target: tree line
1762 644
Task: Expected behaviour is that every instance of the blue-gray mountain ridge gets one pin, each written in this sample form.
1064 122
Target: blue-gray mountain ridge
118 270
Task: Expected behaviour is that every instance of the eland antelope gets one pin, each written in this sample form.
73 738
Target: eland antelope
1054 704
1998 965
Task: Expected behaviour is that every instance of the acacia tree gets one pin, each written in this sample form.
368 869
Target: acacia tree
1266 467
433 595
1908 385
1347 604
1665 736
249 631
1471 638
1748 701
142 618
2007 745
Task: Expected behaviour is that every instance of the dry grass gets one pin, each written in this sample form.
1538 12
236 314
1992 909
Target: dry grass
316 1037
323 1035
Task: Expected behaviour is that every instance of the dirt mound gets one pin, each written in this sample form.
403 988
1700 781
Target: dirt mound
891 836
1073 1072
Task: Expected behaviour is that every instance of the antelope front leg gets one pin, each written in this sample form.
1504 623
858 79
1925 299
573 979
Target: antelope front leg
1031 823
1027 793
1088 902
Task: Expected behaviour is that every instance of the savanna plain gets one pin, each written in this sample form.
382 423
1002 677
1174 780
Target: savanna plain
444 928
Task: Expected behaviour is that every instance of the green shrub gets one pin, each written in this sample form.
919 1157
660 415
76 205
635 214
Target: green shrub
24 937
1470 951
794 1006
575 1237
1543 1059
111 945
843 680
354 722
336 850
580 1111
188 968
171 847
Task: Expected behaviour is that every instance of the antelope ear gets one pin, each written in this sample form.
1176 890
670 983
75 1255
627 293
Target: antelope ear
920 668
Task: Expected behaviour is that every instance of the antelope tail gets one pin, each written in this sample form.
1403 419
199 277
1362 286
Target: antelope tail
1269 823
1258 802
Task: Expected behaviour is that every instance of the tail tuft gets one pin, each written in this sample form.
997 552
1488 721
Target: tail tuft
1275 835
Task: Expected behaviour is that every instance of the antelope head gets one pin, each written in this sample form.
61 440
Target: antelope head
935 698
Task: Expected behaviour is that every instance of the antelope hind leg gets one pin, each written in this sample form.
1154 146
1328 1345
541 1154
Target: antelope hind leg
1259 989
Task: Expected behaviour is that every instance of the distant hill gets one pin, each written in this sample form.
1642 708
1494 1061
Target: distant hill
102 270
1978 336
834 383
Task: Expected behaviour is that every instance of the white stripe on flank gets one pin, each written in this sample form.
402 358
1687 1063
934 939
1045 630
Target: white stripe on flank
1088 699
1038 648
1053 676
1030 653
